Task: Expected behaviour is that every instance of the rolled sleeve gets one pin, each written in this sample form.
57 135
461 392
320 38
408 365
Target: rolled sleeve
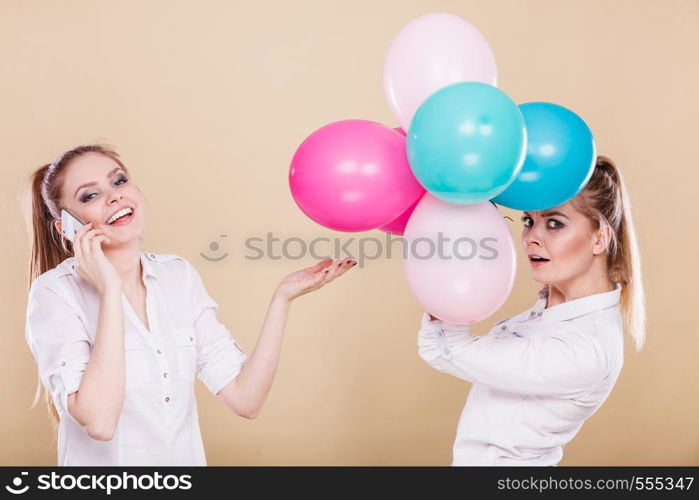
563 363
219 357
59 342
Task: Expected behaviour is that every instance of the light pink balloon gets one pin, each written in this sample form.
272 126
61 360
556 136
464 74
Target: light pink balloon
429 53
397 226
453 289
353 175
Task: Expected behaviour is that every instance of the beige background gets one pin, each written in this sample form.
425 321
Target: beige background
207 102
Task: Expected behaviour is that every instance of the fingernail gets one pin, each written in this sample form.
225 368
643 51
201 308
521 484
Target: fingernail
326 271
339 263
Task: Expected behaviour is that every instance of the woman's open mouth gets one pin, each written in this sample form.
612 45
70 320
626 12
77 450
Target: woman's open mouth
537 261
124 218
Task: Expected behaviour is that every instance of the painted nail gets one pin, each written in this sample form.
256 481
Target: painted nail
327 271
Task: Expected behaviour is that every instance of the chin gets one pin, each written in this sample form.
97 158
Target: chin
123 240
539 277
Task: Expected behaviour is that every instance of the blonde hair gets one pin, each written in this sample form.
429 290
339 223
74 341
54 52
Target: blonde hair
605 201
48 247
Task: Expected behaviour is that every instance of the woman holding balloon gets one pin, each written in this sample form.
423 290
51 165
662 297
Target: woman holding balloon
539 375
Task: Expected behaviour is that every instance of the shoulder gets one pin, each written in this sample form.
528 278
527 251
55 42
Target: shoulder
51 279
170 264
162 258
602 328
589 338
609 331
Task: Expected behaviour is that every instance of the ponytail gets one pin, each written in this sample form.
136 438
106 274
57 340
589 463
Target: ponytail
605 201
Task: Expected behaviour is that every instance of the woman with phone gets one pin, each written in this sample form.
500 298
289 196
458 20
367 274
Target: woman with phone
120 334
538 376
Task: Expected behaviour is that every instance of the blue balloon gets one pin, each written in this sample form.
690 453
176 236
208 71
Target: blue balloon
561 157
467 142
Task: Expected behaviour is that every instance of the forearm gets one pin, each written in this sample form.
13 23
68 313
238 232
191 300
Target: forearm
99 401
253 384
433 345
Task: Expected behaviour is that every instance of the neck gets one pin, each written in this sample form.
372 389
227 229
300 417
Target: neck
596 280
126 259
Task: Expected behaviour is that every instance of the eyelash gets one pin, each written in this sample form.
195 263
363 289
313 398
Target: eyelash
559 226
85 199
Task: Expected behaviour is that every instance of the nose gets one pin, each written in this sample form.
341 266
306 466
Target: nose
532 236
114 195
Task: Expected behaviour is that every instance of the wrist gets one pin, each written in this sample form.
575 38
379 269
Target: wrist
111 294
281 299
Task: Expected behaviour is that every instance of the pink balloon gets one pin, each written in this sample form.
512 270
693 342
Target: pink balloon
397 226
469 275
353 175
431 52
400 131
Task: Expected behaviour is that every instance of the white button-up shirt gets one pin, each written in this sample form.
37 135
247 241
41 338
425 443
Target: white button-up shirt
536 377
159 424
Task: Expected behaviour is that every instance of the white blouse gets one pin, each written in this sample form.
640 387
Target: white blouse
159 424
536 377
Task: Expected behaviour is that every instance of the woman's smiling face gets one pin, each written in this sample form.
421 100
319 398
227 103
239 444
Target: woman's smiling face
94 188
565 237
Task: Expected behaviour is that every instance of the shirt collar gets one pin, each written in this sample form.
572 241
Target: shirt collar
577 307
67 266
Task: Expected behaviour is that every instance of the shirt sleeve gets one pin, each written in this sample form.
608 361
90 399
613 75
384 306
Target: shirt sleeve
563 363
219 357
59 342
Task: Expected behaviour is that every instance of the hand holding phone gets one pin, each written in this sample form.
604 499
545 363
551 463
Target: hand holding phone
90 261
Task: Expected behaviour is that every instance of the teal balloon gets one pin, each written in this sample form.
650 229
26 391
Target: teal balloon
561 156
467 142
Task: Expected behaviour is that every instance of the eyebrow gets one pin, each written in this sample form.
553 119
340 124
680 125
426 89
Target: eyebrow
547 214
93 183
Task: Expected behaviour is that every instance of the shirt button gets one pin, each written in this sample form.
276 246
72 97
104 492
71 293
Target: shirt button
191 338
159 351
167 399
531 314
503 327
165 374
63 363
152 256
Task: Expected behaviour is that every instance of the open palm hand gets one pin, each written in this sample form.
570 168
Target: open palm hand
312 278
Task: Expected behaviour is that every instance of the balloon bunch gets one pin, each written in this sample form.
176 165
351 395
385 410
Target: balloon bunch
468 146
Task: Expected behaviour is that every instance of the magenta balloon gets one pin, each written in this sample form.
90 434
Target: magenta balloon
353 175
469 275
429 53
397 226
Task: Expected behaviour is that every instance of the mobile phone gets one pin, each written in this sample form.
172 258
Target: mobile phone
70 224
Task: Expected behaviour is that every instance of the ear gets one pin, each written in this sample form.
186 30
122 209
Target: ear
602 239
59 226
